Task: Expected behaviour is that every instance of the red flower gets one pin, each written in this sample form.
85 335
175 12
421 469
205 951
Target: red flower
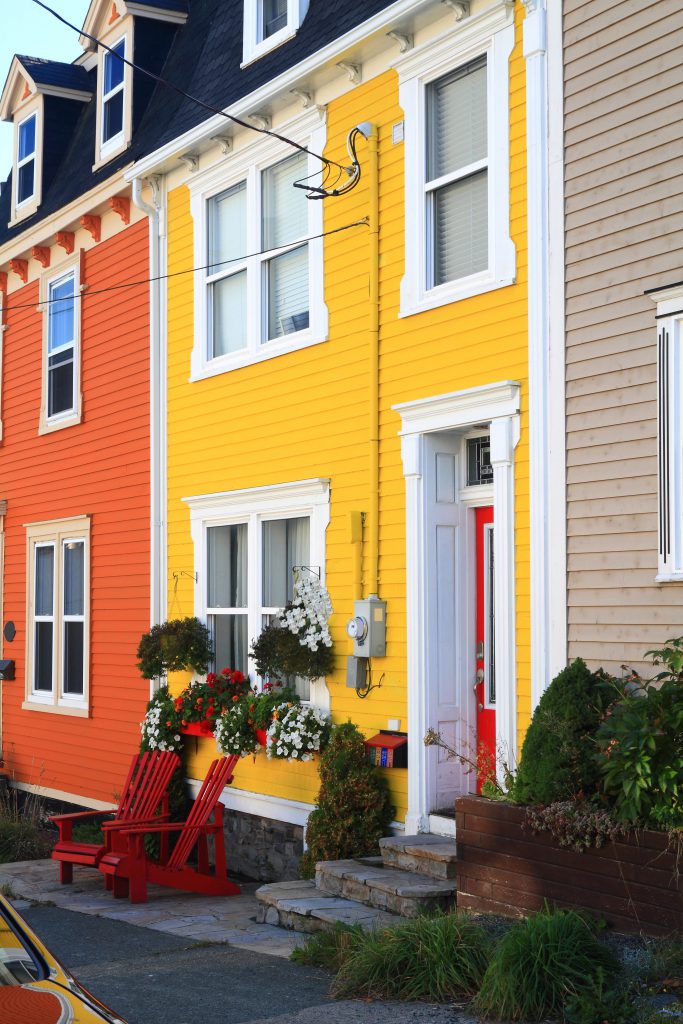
267 686
212 677
235 697
168 724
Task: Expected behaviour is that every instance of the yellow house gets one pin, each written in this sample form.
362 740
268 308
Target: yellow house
348 376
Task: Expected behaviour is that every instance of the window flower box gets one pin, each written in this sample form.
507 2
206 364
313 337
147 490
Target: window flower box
198 729
261 736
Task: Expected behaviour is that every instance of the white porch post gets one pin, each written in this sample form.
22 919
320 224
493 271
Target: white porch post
504 439
412 451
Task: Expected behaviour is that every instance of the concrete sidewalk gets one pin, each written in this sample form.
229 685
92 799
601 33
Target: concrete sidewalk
230 919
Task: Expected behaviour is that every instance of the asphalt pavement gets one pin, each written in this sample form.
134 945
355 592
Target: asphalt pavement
152 977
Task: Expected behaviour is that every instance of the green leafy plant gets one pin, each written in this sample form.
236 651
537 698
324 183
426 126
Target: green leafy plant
235 731
297 642
328 949
576 824
541 964
160 727
206 701
558 761
436 958
354 808
173 646
262 705
602 1003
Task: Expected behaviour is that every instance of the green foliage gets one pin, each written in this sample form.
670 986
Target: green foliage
576 824
558 760
234 731
436 958
541 964
200 702
640 746
278 653
173 646
328 949
602 1003
262 705
354 808
161 724
89 832
21 840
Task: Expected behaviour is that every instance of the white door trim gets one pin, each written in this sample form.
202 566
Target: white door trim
498 405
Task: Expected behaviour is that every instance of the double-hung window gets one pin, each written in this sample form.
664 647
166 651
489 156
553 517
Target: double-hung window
269 23
113 89
455 96
26 160
249 545
61 356
261 295
58 601
272 16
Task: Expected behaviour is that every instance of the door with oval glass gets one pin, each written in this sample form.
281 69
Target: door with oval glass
485 684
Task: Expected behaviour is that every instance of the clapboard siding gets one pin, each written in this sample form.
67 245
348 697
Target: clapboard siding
99 467
624 233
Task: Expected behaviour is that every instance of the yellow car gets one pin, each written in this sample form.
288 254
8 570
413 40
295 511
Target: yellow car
34 987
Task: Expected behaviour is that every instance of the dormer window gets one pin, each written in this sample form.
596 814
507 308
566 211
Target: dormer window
113 87
26 160
269 23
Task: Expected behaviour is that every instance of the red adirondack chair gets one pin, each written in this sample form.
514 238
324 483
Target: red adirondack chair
144 791
133 869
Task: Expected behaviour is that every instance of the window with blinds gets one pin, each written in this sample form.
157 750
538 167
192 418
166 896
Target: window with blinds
273 17
285 219
457 174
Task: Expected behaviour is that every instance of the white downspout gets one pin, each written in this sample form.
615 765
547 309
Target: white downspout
157 397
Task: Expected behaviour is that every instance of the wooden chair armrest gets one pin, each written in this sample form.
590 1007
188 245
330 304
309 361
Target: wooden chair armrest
118 824
79 815
168 826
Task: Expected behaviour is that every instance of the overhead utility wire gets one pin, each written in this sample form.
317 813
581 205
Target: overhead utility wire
194 99
88 292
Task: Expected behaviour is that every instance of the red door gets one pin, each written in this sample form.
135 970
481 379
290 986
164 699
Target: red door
485 686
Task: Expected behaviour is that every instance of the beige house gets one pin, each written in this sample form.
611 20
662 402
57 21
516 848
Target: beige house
623 187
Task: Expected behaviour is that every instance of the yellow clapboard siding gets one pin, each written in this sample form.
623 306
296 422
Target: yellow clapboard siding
305 414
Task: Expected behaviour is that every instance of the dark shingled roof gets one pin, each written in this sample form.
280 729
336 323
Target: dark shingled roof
204 59
167 5
54 72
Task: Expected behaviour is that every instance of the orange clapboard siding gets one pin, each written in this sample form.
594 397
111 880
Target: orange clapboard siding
99 467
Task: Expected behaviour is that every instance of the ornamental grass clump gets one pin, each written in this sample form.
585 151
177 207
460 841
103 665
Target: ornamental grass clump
541 965
354 807
436 959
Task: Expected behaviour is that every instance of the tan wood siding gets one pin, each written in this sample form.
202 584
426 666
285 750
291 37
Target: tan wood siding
624 234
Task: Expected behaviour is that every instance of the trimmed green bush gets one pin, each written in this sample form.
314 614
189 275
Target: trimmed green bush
354 808
558 755
541 965
432 958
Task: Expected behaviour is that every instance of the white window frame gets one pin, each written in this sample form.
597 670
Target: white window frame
108 145
253 506
33 107
69 417
490 34
248 164
254 45
57 534
20 203
669 434
106 151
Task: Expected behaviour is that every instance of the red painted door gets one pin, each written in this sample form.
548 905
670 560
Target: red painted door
485 686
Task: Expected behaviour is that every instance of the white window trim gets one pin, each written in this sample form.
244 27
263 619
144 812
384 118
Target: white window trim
491 33
57 533
669 434
69 417
106 151
20 211
249 162
107 145
19 203
255 47
302 498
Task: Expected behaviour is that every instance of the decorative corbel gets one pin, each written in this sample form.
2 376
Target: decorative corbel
405 41
42 254
191 161
354 71
460 7
3 281
67 240
224 142
307 101
120 205
93 224
260 121
20 268
113 14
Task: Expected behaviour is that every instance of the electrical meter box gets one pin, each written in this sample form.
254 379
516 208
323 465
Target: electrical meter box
368 628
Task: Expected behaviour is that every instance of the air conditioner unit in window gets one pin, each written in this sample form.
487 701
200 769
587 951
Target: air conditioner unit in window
295 322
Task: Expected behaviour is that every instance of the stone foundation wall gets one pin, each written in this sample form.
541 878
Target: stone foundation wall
261 848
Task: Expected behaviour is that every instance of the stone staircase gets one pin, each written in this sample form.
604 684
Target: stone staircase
413 874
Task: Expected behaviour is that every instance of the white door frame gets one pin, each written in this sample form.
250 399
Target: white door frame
496 405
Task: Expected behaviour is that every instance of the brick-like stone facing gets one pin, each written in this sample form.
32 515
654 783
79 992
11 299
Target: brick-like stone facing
261 848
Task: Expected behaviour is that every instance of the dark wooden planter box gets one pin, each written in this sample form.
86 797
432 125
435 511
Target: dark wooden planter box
504 869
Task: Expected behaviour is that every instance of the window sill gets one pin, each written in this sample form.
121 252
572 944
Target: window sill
50 426
670 577
21 213
446 294
238 360
74 710
266 45
106 156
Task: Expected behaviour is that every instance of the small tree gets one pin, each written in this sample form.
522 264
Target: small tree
558 756
354 808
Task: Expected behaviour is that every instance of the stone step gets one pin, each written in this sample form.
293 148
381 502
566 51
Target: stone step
370 882
423 854
301 907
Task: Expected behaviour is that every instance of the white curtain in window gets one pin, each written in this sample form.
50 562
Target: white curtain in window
457 120
461 228
286 543
227 566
